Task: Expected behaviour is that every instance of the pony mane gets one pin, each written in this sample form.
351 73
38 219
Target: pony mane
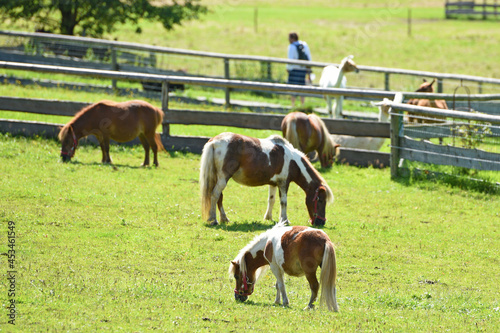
65 129
240 258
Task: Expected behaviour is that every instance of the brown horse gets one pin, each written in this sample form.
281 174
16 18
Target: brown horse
121 122
295 251
256 162
308 133
438 103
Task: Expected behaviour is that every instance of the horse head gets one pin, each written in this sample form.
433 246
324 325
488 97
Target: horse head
316 201
426 86
69 143
349 65
244 285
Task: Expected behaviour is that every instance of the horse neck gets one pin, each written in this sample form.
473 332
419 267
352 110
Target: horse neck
301 180
340 75
78 126
383 116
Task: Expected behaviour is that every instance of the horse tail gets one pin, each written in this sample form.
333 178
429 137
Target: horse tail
208 178
328 278
290 131
159 144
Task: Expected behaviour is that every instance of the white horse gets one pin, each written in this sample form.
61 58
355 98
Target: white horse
368 143
333 77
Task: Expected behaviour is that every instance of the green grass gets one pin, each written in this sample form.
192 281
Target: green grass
124 249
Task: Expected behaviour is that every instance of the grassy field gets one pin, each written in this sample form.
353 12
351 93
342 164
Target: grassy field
124 249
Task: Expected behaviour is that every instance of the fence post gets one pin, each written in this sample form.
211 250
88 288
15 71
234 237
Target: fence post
227 77
114 66
396 129
164 107
440 86
269 71
386 82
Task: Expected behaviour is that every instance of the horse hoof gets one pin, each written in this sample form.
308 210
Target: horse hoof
214 223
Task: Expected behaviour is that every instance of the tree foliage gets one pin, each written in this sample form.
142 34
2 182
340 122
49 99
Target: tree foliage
96 17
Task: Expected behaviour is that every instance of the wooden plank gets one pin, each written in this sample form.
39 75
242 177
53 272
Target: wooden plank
29 128
193 144
447 155
249 85
434 112
364 158
272 122
41 106
54 61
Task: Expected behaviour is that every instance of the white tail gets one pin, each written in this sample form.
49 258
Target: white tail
328 278
291 133
208 178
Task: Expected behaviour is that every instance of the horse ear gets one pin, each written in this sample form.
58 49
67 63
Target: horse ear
234 263
432 82
425 80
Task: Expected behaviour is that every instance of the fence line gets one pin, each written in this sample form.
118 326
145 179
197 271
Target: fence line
238 84
226 58
404 147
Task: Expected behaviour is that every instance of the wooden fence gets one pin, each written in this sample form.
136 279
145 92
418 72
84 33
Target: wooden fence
82 43
251 120
173 116
483 9
404 147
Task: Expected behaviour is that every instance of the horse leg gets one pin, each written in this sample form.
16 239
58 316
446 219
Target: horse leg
329 105
270 203
154 147
105 150
280 284
278 295
314 285
216 194
223 217
283 192
145 145
339 100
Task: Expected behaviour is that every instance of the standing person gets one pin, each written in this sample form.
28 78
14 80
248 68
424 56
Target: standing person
297 50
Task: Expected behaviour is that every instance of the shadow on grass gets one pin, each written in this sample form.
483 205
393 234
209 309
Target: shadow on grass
111 166
248 226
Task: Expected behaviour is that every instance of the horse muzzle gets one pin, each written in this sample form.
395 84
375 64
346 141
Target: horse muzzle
240 298
65 158
318 222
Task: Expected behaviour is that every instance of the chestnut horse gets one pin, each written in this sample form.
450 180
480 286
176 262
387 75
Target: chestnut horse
438 103
256 162
121 122
295 251
308 133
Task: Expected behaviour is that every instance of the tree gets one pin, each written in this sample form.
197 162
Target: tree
96 17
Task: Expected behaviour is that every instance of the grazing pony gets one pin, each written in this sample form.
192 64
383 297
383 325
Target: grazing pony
333 77
363 142
308 133
121 122
256 162
295 251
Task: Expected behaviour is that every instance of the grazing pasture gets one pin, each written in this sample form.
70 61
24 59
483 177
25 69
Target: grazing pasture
125 248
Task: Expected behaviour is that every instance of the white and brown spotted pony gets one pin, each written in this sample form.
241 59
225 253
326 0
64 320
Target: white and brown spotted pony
256 162
295 251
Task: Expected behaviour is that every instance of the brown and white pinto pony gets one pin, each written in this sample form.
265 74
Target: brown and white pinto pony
121 122
256 162
308 133
295 251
